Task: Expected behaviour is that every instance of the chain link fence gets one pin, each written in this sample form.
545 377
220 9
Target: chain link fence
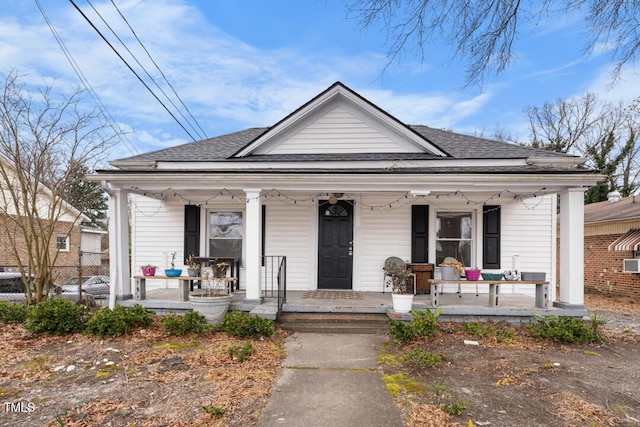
88 281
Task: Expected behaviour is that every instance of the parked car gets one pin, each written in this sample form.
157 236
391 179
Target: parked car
11 283
93 285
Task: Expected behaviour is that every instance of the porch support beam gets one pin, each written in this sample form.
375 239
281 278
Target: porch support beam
571 248
119 246
253 244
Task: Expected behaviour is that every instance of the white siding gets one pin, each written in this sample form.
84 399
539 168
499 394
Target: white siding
339 131
381 234
156 231
289 231
527 231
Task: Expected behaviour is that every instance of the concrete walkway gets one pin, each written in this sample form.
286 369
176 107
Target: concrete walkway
331 380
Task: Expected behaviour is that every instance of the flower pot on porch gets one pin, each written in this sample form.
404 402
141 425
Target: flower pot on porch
173 272
449 272
402 303
193 272
213 308
148 271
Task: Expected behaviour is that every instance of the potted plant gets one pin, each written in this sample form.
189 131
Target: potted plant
173 271
401 282
472 273
213 300
148 270
451 269
193 266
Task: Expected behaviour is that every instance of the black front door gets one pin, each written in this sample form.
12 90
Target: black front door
335 245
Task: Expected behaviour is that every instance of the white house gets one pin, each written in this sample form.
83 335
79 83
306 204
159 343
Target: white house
338 186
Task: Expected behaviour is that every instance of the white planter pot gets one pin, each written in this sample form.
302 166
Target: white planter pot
402 303
212 308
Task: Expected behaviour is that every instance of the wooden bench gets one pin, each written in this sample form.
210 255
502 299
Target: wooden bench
185 283
542 290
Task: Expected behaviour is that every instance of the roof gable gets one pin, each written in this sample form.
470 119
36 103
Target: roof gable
339 121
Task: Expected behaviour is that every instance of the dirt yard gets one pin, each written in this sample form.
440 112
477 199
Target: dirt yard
526 382
143 380
152 380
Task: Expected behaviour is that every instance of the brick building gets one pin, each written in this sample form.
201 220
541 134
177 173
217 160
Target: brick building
611 235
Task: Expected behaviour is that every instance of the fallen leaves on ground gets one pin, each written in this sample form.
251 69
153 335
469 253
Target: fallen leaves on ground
145 378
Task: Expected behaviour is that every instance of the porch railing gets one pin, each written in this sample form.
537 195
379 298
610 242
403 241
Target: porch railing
274 279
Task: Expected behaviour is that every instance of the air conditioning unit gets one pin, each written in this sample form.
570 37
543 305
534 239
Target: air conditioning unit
631 265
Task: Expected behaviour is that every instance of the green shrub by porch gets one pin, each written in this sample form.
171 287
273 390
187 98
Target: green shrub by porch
243 325
56 316
11 312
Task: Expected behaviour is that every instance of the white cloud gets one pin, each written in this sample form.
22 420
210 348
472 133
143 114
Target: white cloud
226 83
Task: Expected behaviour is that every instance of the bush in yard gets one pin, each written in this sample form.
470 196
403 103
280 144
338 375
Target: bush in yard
243 325
423 324
118 321
191 323
401 332
56 316
422 359
13 312
565 329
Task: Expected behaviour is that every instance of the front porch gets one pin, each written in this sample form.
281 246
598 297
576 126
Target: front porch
465 307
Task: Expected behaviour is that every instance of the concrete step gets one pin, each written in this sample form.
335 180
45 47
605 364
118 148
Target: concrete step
337 323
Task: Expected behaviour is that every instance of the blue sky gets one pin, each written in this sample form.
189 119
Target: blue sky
245 63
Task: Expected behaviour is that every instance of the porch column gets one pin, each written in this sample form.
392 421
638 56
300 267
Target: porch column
119 246
571 248
253 244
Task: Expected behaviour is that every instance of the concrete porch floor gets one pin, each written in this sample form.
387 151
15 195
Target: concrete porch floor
465 307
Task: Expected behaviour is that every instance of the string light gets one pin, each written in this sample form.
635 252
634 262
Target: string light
316 199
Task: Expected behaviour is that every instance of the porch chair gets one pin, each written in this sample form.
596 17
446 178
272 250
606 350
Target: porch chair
394 261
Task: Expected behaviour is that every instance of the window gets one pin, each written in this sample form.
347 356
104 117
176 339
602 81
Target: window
454 236
225 234
62 242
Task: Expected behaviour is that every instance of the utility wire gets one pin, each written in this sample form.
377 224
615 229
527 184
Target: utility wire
158 68
85 82
131 69
201 136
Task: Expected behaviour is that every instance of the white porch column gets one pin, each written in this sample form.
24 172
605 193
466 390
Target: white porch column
571 248
119 246
253 242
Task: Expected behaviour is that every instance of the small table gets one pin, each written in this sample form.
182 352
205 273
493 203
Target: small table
185 283
542 290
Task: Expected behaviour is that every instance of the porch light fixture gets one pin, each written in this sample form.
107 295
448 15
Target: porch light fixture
416 193
333 199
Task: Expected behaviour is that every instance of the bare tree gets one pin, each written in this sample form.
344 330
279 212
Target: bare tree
629 168
483 31
566 125
606 135
42 137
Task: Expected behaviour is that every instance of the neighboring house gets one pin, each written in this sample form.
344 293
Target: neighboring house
338 186
611 235
67 238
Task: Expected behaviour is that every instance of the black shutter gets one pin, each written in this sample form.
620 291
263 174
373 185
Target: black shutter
191 230
263 232
491 237
419 233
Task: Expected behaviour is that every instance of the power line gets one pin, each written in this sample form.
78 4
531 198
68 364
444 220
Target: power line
202 136
131 69
85 82
158 68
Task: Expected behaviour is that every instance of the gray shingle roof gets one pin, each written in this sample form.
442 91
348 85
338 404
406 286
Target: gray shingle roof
211 149
458 146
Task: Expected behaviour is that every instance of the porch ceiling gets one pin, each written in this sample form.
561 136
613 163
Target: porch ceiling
309 183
